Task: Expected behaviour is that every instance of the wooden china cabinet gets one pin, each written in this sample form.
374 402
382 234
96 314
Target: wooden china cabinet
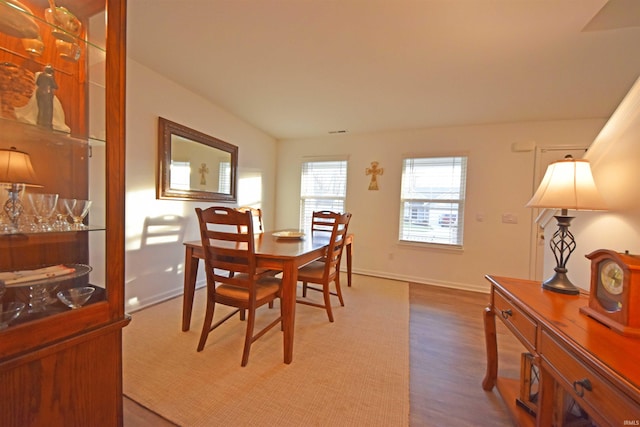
62 106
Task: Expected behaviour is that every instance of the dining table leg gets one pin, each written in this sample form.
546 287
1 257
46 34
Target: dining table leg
288 301
190 272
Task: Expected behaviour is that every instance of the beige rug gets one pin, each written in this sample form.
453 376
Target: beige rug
353 372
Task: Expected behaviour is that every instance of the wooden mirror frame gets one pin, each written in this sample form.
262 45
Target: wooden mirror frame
168 132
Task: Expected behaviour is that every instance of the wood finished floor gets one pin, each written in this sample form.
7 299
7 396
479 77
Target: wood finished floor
447 363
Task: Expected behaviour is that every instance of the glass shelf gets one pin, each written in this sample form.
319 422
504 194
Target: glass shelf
20 130
26 22
40 233
38 294
79 270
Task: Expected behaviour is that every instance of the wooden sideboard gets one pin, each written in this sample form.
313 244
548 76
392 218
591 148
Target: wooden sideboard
577 358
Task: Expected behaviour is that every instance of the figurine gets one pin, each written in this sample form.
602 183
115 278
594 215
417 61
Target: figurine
46 85
29 113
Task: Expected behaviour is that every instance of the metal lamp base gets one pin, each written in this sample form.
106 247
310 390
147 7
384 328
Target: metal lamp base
562 245
560 283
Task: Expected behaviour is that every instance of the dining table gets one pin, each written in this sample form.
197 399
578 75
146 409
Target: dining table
275 253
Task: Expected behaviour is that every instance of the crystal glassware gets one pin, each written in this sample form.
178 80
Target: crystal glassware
9 312
43 206
38 298
76 297
27 220
66 26
35 46
5 222
78 209
61 223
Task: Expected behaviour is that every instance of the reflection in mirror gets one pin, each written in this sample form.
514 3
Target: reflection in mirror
194 166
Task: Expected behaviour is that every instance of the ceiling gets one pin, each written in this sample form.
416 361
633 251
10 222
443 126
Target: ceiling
307 68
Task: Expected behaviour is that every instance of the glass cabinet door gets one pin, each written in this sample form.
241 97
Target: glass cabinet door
53 173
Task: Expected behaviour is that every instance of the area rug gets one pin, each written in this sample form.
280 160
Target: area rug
353 372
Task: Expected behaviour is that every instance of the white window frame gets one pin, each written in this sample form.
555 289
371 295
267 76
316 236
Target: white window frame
321 187
432 200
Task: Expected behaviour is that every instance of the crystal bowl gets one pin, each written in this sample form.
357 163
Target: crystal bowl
75 297
9 312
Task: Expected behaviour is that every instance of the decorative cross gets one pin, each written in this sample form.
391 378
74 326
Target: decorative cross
203 171
374 171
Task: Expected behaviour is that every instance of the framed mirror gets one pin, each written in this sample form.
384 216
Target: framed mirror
194 166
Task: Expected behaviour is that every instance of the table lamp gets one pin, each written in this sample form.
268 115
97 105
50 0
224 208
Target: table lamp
567 184
16 170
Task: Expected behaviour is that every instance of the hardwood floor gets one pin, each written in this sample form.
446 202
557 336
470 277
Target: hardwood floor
448 360
447 363
138 416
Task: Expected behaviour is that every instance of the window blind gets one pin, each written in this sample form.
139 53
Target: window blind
432 200
323 187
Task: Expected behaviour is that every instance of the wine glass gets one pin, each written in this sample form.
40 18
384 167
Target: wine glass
61 223
8 312
43 206
26 221
75 297
78 209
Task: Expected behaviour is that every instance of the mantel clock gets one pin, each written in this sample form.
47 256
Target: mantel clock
614 299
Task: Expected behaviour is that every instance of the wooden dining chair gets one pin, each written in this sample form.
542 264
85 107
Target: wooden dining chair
258 228
232 277
256 215
322 226
322 223
326 270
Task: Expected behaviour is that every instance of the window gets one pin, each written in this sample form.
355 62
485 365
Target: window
432 200
323 187
224 178
180 175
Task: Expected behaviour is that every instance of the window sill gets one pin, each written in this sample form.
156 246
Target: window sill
439 247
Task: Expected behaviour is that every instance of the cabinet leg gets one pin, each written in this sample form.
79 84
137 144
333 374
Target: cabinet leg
492 349
546 398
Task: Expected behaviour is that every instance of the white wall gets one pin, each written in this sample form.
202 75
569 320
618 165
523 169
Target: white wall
500 180
155 271
615 163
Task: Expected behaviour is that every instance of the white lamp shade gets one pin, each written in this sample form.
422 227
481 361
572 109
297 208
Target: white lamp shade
568 184
16 168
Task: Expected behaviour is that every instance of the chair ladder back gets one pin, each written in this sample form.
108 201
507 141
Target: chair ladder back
256 215
226 247
323 221
336 243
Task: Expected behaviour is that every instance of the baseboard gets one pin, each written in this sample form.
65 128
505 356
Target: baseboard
157 299
481 288
176 292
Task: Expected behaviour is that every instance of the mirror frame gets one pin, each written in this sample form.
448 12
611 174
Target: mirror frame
166 129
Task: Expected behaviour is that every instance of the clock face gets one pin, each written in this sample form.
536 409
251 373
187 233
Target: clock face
611 277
